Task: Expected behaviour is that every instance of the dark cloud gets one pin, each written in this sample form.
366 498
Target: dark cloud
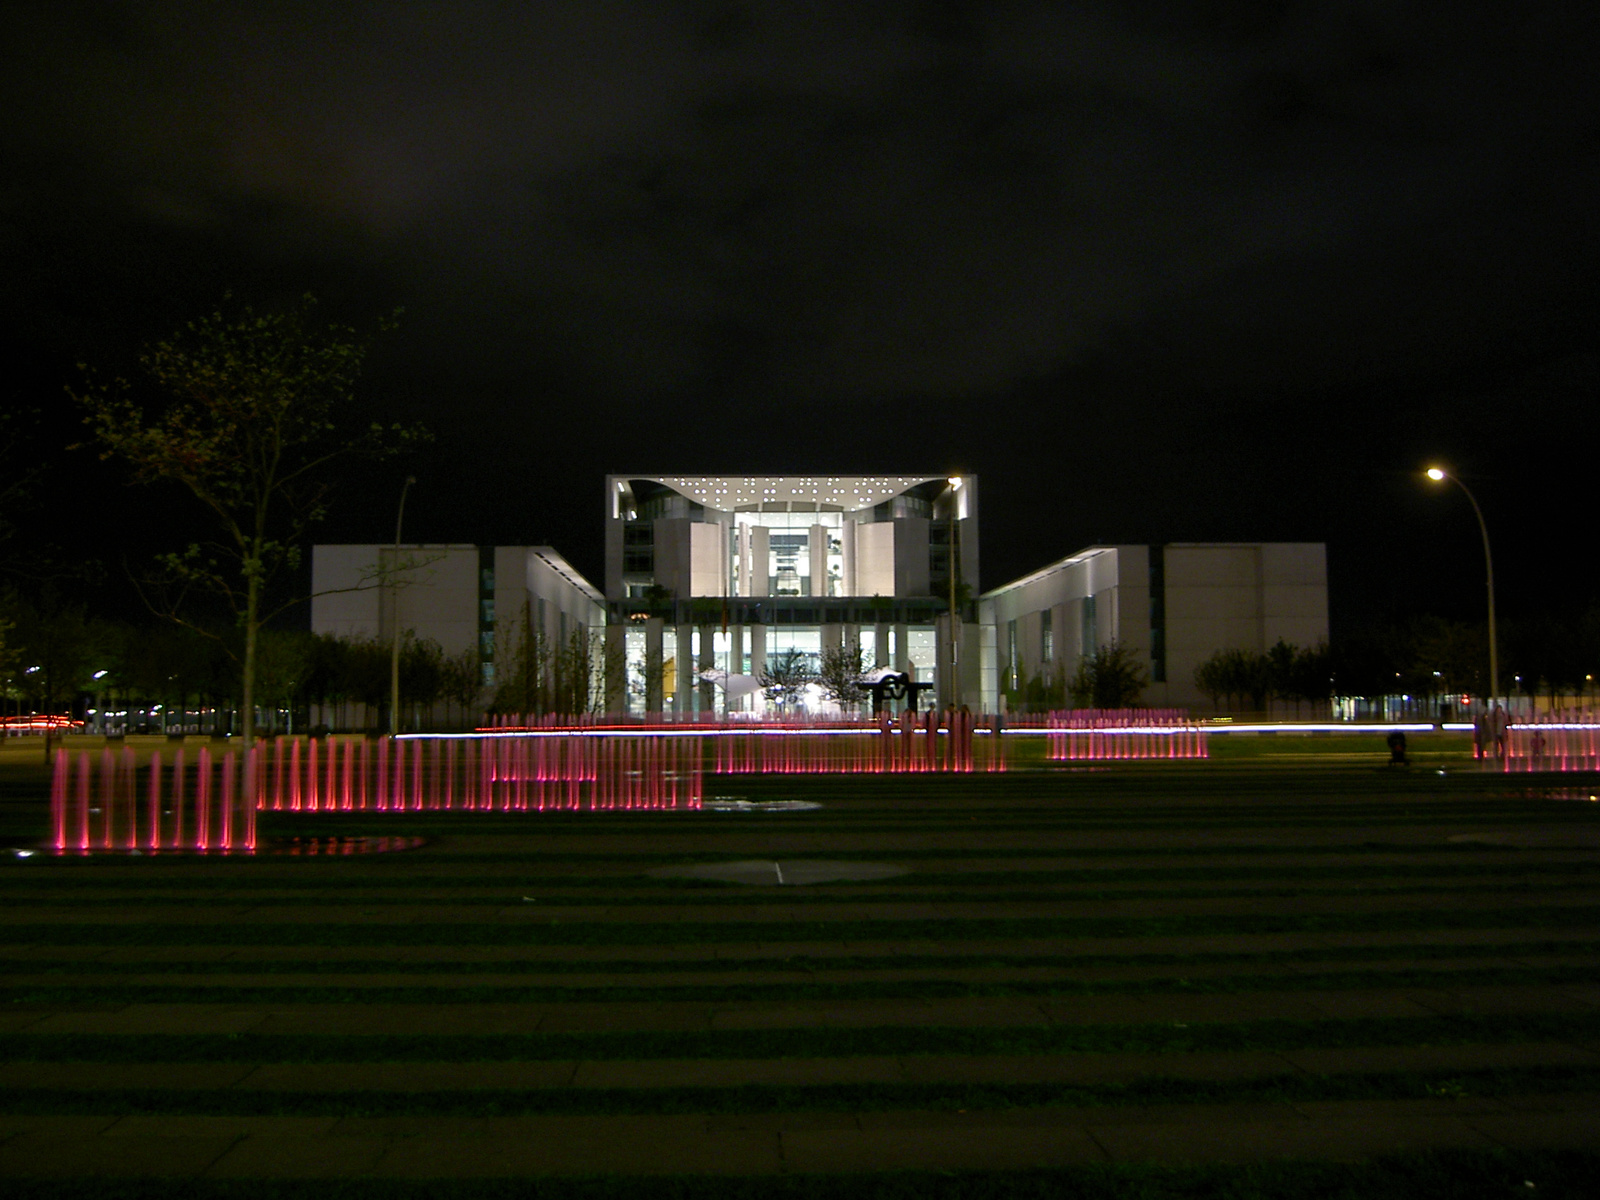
734 221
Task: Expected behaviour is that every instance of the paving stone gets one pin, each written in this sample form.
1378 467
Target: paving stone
586 1145
30 1155
1231 1006
1398 1110
288 1156
1537 998
975 1013
1455 1001
734 1072
1180 1115
407 1076
16 1022
426 1126
811 1151
160 954
1367 1005
441 1019
1552 1102
776 1122
201 1126
57 1127
1086 1069
118 1075
156 1019
1401 1059
1219 1141
1097 1010
44 952
609 1017
1542 1131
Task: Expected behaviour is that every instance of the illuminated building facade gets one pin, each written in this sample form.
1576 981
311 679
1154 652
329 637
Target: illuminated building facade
465 598
718 573
1174 606
710 577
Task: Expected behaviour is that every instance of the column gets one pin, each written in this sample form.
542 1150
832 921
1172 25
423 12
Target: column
615 667
758 650
760 556
817 545
704 661
746 563
847 537
654 701
683 702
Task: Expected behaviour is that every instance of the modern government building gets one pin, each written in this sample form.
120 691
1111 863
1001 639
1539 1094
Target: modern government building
709 576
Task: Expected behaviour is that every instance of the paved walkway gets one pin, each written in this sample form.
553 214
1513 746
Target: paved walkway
118 970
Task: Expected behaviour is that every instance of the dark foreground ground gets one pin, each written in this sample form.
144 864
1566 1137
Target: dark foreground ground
1217 980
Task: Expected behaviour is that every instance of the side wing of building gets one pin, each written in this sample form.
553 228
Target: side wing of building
1173 605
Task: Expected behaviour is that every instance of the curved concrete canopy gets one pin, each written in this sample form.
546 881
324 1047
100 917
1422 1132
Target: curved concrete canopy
848 492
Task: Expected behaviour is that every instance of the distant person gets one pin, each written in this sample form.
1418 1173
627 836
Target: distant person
1480 729
1499 727
1397 749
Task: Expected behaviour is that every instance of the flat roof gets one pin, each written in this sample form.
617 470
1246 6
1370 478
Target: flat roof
727 492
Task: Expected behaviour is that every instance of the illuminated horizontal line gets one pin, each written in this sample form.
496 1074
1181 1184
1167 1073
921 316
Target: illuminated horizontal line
1331 727
1024 731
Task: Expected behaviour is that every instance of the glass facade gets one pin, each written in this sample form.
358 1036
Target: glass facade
763 566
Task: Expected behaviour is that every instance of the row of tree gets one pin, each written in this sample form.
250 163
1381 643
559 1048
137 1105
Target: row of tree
56 657
1547 657
1251 681
1113 676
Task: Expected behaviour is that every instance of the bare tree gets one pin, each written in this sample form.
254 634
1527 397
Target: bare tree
247 424
786 676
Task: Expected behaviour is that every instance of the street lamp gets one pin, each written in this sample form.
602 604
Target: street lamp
954 690
394 584
1438 475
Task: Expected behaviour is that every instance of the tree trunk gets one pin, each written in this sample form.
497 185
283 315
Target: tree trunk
252 610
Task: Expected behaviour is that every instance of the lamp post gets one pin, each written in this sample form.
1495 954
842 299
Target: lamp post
1438 475
954 691
394 584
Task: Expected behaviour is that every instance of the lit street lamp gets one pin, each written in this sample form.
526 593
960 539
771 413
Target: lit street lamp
954 690
1438 475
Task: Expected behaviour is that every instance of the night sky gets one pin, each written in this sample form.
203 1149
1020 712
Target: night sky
1155 271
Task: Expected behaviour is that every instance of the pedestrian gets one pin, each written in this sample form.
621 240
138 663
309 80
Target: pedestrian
1499 727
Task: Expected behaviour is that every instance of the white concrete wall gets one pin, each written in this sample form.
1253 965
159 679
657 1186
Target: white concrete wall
708 559
1226 596
439 592
910 557
1218 596
335 609
430 589
875 553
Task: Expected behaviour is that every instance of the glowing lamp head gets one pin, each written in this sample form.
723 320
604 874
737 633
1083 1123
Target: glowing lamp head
954 481
1435 474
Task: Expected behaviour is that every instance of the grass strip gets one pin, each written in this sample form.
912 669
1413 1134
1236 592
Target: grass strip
749 1099
222 992
536 931
980 958
723 895
1438 1175
1166 1037
471 873
244 867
